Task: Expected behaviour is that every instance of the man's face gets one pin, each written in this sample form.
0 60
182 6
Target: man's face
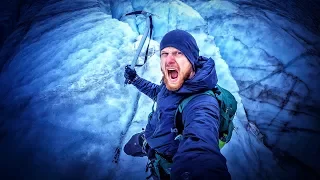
175 68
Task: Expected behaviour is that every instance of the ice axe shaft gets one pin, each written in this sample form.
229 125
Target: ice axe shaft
143 39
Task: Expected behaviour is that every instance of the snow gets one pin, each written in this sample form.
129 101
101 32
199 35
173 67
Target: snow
65 110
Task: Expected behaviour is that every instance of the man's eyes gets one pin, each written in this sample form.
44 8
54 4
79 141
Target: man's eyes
164 54
175 53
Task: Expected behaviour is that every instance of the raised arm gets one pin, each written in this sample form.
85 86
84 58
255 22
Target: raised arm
199 156
148 88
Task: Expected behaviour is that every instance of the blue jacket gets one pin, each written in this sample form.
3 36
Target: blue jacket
197 155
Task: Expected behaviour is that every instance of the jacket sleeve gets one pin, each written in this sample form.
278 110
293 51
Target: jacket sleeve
148 88
198 155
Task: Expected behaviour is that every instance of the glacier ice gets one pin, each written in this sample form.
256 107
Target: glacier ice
65 112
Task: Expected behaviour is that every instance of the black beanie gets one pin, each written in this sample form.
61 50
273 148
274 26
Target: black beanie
182 41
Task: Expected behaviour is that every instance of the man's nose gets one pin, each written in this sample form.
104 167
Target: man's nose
170 59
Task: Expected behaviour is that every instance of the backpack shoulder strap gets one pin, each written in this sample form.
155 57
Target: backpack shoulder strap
178 124
185 101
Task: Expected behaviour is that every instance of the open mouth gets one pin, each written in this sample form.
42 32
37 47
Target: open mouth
173 74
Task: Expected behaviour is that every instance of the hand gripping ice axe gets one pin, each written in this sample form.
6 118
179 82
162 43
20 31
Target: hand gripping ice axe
148 28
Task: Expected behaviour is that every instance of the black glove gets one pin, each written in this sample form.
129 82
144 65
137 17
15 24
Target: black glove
130 74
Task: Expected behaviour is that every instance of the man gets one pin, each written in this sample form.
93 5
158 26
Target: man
197 154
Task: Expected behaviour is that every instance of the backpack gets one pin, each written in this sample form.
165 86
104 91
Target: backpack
228 108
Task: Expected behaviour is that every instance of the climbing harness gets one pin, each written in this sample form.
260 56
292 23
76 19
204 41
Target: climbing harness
159 167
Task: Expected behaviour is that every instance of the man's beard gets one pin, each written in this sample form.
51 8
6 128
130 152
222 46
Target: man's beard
178 85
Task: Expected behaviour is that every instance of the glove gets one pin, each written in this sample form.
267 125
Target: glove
130 74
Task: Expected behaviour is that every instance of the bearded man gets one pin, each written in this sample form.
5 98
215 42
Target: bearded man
197 154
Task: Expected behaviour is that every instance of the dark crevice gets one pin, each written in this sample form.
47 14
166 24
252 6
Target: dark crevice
295 111
285 159
302 12
281 69
284 102
24 26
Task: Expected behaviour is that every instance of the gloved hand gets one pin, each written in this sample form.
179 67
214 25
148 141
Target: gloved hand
130 74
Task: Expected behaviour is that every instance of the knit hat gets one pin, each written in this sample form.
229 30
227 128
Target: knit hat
183 41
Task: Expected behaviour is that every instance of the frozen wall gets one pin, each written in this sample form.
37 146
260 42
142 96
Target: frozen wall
65 112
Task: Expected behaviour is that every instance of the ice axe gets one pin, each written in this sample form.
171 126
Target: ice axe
148 28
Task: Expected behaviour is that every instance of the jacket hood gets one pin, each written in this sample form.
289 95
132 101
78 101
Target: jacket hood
204 79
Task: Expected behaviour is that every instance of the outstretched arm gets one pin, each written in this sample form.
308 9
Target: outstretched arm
199 156
148 88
